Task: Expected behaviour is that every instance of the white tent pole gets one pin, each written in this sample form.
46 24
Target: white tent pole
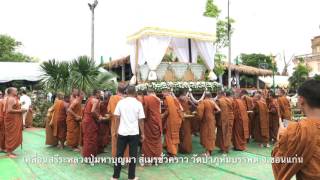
136 60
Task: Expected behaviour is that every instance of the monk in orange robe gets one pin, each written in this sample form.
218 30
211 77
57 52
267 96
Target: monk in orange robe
50 138
74 116
58 120
172 116
185 145
261 118
2 133
240 133
29 118
249 106
225 122
74 94
206 111
152 144
285 108
110 109
274 116
301 139
13 122
104 126
91 117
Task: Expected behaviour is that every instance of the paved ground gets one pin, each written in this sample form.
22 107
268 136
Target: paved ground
33 143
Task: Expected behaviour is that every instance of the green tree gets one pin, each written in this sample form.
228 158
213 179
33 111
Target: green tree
8 50
300 74
211 9
219 66
316 77
82 73
257 60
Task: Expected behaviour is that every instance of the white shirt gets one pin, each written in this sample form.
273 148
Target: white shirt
130 111
25 102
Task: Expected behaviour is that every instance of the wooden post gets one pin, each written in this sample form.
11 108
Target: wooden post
123 72
190 51
136 60
258 85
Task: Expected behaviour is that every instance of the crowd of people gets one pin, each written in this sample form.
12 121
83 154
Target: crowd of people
129 120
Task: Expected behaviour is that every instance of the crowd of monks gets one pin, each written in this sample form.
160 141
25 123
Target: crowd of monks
227 119
230 119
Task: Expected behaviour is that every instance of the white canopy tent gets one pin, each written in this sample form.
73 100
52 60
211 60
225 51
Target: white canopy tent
187 39
280 81
11 71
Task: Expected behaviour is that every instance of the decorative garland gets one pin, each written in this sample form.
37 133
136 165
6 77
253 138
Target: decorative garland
198 86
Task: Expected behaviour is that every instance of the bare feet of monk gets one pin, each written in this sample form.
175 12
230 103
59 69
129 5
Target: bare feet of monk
76 149
11 155
267 145
260 146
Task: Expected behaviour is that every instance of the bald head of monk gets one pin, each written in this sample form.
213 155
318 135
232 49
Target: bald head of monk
166 92
96 93
207 95
221 94
75 92
257 96
309 98
59 95
12 91
150 91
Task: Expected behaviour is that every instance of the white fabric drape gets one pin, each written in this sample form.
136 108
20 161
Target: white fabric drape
206 50
133 52
181 50
153 49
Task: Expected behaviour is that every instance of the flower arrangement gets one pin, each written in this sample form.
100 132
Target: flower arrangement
198 86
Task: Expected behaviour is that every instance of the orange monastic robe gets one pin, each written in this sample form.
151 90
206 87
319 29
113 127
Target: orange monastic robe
103 129
110 109
173 124
285 108
50 139
89 131
73 125
261 122
29 118
274 115
2 132
152 145
13 127
249 105
185 145
59 120
301 139
225 123
206 113
240 126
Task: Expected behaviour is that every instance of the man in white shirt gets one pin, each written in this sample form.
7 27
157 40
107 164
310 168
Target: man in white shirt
129 114
25 102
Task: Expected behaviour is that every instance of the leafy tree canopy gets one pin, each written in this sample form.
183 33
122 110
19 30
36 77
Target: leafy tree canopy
300 74
8 50
257 60
211 9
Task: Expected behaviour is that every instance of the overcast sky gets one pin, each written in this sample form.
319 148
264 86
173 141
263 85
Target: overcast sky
61 28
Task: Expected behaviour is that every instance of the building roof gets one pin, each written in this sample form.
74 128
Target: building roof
117 62
243 69
11 71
